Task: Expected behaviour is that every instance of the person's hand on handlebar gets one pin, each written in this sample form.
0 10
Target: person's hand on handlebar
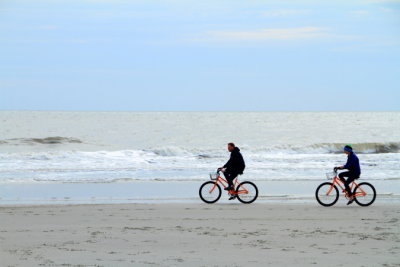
222 169
338 168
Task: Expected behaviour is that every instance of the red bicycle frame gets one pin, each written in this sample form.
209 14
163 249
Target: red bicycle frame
224 183
337 181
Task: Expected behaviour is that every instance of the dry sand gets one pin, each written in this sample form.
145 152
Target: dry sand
200 235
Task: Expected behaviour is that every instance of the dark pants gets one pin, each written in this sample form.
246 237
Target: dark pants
349 180
230 177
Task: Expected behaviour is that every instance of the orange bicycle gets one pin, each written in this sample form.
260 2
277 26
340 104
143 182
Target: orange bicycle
327 194
210 192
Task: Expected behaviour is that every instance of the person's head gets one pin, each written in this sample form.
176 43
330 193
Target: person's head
348 149
231 147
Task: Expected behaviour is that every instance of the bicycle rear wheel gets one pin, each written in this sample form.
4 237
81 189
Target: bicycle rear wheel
327 194
210 192
365 194
247 192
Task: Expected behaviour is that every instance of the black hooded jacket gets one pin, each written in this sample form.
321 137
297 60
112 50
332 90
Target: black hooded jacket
236 163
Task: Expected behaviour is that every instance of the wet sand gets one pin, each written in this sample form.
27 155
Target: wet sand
200 235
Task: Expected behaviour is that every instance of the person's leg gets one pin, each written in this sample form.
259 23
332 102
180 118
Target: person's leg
349 181
351 178
233 177
346 182
228 177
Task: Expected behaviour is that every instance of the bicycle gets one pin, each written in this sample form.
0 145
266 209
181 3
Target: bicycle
327 193
210 192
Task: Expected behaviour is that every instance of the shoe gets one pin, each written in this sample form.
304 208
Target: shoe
232 197
229 188
351 200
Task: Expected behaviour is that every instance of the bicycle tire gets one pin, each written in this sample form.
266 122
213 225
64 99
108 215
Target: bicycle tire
249 184
364 184
336 191
218 188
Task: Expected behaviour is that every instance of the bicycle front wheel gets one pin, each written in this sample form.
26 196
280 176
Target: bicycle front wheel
364 194
247 192
210 192
327 194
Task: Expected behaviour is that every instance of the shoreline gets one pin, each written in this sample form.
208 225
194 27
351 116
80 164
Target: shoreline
268 234
388 191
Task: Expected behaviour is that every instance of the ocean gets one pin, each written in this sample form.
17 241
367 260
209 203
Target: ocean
42 147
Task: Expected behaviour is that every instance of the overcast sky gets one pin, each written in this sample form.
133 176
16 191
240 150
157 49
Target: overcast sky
204 55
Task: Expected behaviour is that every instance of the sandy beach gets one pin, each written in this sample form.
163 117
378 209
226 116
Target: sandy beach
200 235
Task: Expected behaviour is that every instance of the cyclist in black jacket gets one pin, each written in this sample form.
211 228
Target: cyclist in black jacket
234 166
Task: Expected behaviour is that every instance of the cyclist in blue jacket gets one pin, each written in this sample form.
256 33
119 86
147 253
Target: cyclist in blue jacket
354 170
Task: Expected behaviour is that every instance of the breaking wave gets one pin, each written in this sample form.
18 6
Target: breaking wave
176 151
321 148
326 148
204 153
52 140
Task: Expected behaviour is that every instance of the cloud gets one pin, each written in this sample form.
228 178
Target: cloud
386 1
284 12
360 12
264 34
389 10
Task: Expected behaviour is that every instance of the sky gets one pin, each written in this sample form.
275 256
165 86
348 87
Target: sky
207 55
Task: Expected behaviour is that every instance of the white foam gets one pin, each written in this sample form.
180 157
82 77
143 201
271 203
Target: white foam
43 147
177 164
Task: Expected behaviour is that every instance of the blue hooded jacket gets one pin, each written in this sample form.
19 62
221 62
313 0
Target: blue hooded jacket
353 164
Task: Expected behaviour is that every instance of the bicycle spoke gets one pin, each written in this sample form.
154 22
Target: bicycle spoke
364 194
210 192
327 194
247 192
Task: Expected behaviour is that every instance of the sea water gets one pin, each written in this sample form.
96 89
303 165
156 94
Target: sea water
41 147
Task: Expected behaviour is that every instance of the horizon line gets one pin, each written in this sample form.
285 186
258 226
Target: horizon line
195 111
